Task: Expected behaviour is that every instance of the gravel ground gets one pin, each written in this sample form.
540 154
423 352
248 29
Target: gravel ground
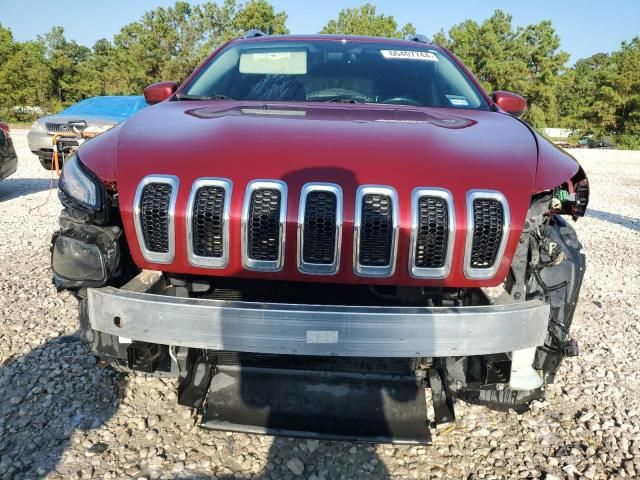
61 415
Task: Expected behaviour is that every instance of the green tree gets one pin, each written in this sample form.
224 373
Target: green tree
63 58
97 75
600 96
168 43
365 21
525 60
25 78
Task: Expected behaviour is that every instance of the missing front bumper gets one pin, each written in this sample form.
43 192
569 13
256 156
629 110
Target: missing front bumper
290 329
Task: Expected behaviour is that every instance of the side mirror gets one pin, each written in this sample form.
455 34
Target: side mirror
510 102
157 92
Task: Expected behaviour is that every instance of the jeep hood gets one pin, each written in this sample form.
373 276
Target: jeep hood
351 145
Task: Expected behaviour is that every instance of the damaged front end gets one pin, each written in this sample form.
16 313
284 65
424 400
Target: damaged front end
342 361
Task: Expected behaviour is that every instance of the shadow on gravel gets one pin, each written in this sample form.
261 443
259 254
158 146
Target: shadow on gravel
622 220
43 400
16 187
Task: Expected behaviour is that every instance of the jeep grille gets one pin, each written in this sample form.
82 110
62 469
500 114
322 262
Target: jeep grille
319 227
154 208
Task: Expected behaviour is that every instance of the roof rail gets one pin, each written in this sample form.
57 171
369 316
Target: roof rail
417 38
254 32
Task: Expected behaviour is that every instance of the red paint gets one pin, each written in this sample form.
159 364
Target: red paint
555 166
99 154
157 92
510 103
351 145
5 128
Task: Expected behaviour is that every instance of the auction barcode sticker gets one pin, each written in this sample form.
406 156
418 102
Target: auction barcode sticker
409 55
322 336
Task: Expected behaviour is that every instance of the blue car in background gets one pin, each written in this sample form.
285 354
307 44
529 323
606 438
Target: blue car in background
99 113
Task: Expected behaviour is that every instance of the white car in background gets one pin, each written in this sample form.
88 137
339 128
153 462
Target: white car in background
99 113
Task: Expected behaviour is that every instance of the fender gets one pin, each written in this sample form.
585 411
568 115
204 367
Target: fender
555 166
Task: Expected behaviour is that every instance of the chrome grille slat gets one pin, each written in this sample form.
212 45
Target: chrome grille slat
376 227
263 225
319 229
488 224
154 212
375 231
207 221
432 233
57 127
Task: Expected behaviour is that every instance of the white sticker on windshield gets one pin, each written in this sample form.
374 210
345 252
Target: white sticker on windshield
410 55
272 56
274 63
458 100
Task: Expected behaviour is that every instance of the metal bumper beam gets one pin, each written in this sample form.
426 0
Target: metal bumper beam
355 331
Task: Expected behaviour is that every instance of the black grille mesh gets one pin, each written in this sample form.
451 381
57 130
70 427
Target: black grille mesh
154 216
376 230
208 224
433 233
264 225
488 217
319 228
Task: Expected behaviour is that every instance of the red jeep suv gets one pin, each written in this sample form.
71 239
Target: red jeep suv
312 230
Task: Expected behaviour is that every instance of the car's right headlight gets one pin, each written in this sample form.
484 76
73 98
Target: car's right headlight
77 183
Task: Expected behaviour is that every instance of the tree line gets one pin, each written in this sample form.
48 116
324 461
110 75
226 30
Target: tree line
598 96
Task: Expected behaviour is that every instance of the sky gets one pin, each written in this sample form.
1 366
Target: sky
585 26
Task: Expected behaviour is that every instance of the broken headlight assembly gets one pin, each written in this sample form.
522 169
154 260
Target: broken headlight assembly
86 251
84 255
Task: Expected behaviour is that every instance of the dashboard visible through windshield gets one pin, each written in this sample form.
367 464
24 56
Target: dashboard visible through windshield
335 71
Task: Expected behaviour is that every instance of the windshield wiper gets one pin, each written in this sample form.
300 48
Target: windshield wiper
186 96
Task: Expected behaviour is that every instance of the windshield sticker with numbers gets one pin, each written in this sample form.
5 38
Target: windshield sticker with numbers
458 100
409 55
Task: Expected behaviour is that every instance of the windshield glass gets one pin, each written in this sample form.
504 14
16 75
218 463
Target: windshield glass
121 107
335 71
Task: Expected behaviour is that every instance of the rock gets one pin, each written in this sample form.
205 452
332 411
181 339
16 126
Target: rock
296 466
590 472
312 445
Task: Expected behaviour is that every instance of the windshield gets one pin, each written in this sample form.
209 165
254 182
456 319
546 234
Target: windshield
120 107
335 71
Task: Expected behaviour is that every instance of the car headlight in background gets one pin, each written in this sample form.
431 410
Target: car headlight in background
77 184
38 127
94 130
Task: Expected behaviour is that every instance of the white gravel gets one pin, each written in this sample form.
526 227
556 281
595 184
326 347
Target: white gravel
63 416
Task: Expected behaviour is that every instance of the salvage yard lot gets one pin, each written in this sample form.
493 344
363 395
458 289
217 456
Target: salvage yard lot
62 415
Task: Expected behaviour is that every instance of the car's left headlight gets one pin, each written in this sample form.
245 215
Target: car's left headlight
77 183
